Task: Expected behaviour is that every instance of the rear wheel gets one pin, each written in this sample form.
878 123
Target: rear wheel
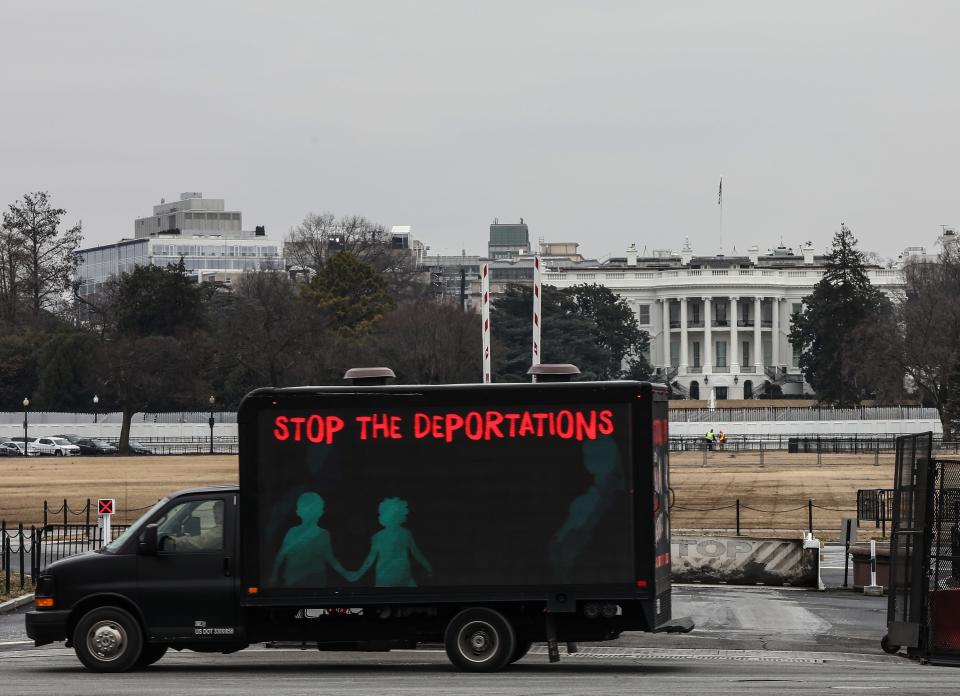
108 639
520 650
479 640
151 653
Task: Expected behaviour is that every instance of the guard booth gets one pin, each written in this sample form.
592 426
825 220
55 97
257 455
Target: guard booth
923 611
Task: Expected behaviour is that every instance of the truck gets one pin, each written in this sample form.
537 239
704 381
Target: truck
482 517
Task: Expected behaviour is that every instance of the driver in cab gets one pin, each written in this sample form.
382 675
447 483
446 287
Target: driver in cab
209 539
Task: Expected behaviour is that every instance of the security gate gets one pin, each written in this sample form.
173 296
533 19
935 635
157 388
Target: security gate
923 611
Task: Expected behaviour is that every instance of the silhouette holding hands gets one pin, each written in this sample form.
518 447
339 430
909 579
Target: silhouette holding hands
307 550
391 549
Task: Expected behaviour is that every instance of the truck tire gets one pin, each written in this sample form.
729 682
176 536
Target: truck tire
479 640
151 653
520 649
108 639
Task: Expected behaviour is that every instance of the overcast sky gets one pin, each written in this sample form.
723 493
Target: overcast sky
599 122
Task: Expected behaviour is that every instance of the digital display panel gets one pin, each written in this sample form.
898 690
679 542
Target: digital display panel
444 496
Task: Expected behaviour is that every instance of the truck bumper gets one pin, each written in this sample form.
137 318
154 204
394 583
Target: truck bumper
47 626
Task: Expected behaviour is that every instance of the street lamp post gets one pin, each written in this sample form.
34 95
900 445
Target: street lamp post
96 400
26 405
212 400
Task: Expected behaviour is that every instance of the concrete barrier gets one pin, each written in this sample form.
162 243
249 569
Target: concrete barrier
744 561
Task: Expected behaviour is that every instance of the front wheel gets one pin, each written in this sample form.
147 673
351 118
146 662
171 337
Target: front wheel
151 653
108 639
479 640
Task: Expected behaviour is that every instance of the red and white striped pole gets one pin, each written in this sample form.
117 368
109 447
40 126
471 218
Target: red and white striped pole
535 359
485 319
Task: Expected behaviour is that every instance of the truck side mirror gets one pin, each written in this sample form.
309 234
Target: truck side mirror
148 541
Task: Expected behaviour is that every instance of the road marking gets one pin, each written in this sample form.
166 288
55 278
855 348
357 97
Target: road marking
16 642
711 654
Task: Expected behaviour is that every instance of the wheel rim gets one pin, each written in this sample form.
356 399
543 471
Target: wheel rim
478 641
107 640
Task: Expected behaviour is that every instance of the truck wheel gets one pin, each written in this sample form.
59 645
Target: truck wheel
107 639
520 650
479 640
151 653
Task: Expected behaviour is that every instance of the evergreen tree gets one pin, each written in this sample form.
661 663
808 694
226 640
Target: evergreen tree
587 325
350 293
826 330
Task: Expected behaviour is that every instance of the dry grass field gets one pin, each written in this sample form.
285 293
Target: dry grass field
782 484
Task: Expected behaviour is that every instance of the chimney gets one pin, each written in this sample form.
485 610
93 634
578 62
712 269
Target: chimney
753 253
632 255
808 253
686 253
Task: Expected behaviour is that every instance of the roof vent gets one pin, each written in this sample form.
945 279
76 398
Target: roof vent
369 376
555 372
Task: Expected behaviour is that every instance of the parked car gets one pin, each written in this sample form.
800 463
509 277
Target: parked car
14 448
89 445
57 446
139 448
30 445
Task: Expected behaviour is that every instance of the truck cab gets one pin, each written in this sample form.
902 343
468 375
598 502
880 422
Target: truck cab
167 581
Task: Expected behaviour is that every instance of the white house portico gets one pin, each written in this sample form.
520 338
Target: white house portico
718 325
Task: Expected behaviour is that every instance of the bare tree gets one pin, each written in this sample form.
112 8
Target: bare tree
45 252
922 338
431 343
310 245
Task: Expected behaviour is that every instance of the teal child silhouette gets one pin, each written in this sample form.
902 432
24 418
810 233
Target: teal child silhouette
307 550
601 459
391 549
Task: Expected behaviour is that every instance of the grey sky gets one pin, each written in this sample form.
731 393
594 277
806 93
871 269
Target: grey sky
599 122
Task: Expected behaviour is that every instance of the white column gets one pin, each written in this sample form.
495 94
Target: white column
683 336
775 339
757 335
707 337
734 346
666 332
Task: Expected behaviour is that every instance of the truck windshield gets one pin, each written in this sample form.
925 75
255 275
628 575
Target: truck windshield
134 529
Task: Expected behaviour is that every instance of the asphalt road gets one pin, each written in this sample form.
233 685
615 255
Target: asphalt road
748 640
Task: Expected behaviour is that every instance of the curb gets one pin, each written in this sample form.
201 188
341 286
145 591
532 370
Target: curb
13 604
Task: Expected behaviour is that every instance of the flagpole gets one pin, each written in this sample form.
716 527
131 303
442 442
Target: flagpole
720 203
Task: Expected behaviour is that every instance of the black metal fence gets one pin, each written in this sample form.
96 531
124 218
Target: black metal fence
875 505
16 545
56 541
810 444
67 515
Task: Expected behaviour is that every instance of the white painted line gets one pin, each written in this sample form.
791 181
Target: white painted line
16 642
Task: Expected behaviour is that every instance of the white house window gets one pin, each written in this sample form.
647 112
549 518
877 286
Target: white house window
721 353
643 314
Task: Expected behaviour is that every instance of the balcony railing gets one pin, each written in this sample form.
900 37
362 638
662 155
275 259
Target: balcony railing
748 369
744 322
674 323
695 324
695 370
721 322
767 323
721 369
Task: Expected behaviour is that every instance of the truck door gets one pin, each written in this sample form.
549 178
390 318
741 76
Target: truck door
187 590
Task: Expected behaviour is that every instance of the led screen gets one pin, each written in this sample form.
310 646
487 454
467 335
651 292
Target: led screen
444 496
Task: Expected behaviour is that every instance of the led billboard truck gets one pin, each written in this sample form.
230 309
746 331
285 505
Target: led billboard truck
485 517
